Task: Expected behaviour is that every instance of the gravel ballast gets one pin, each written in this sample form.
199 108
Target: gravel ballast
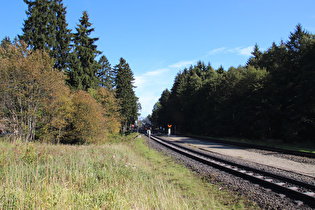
265 198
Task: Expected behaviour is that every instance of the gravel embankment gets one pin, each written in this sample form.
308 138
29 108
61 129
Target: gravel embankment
285 156
265 198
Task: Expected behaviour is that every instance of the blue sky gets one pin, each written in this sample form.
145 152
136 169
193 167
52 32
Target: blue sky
158 38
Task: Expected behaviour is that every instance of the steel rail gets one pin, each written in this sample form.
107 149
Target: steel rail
284 185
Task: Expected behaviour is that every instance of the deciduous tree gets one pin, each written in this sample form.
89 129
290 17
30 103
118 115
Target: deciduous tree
87 124
110 106
57 114
26 80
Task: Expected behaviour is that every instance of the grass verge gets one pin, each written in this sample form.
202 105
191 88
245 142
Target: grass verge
116 175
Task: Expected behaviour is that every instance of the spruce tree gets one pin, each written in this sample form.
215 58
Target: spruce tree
255 60
163 111
125 94
83 66
46 28
63 37
105 73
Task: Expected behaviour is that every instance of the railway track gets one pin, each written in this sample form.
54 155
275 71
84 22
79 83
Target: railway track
291 188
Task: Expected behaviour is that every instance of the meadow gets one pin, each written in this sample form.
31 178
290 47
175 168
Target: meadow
121 174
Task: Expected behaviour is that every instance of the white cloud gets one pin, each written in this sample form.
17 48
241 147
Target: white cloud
156 72
147 102
139 81
182 64
149 78
217 50
233 50
245 51
149 88
151 84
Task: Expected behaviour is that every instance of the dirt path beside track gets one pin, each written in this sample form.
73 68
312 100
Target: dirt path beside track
266 158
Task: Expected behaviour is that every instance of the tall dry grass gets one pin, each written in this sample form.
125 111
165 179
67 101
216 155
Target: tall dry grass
110 176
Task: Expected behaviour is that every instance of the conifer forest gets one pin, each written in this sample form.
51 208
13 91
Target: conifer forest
271 97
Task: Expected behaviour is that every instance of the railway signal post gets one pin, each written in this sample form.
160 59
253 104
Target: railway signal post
169 130
149 134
